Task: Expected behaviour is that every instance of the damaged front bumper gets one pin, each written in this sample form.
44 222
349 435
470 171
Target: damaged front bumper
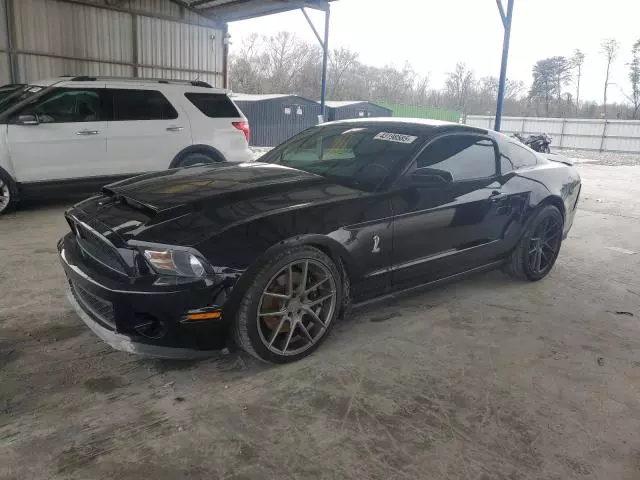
138 315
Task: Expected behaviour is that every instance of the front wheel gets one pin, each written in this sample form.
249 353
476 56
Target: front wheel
290 307
8 194
539 246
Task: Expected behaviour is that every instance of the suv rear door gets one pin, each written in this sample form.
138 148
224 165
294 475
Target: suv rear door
147 132
67 142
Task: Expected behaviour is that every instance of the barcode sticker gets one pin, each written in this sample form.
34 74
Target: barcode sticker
395 137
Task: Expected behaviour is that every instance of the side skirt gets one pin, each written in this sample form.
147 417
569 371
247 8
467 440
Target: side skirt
426 286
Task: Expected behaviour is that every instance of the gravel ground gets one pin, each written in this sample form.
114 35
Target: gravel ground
485 379
603 158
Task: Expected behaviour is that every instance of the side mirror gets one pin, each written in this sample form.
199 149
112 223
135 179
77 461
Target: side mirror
431 177
28 120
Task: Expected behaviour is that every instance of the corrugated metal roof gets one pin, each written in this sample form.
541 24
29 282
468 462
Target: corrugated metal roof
343 103
247 97
232 10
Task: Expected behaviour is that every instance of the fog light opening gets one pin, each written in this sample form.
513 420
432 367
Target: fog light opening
149 326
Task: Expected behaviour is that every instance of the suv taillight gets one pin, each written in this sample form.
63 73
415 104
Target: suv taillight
244 127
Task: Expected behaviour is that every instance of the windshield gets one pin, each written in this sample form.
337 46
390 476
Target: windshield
11 95
359 156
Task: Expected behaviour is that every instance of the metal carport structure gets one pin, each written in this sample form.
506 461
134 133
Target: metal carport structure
225 11
181 39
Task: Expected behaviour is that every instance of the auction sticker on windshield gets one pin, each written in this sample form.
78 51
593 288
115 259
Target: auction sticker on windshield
395 137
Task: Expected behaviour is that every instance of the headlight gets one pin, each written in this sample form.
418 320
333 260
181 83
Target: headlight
175 262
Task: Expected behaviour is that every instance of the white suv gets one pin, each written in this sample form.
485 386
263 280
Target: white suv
88 131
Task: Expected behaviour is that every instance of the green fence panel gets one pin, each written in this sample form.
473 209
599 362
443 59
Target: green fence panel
416 111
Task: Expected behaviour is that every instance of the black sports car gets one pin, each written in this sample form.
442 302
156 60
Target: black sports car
270 253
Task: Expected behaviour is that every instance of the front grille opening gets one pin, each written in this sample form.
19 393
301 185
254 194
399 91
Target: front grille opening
99 308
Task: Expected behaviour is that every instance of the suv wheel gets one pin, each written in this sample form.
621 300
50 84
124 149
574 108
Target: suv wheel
8 194
196 158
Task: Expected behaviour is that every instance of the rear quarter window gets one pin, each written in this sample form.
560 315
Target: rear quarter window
521 156
213 105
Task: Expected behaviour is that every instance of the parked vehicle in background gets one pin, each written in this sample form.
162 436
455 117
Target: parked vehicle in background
84 132
270 253
540 143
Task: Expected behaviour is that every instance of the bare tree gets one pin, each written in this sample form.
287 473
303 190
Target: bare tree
545 85
578 61
341 61
634 78
459 84
609 48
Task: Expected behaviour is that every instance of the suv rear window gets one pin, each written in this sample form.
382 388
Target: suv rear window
213 105
141 105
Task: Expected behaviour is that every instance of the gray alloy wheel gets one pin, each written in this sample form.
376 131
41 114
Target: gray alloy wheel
290 307
7 195
538 249
296 307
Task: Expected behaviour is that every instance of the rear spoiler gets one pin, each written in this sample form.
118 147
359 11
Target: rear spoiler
556 157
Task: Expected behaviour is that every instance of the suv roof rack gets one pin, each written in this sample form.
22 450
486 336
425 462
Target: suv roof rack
194 83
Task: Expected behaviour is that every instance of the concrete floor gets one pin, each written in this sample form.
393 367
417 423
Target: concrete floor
484 379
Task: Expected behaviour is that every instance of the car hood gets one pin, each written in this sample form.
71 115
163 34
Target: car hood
192 186
187 206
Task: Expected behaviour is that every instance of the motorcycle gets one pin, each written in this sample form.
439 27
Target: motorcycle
540 143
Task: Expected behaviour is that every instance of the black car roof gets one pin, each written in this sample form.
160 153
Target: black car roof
431 126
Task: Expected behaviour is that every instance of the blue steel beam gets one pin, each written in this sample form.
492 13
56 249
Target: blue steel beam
506 20
325 61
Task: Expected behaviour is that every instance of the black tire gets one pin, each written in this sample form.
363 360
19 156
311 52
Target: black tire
246 325
519 264
196 158
8 194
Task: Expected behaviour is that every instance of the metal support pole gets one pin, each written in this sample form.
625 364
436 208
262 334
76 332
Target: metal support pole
134 44
506 21
325 61
11 41
225 56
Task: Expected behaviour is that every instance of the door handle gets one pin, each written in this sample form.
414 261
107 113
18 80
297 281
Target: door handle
174 129
497 197
88 132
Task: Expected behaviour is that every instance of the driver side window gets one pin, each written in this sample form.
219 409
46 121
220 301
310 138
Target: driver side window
464 157
68 105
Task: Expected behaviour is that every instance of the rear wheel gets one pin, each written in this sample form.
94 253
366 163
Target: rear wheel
8 194
291 306
196 158
539 246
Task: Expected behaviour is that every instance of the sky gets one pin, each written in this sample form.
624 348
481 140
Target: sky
435 34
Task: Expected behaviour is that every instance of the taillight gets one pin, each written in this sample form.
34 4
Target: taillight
244 127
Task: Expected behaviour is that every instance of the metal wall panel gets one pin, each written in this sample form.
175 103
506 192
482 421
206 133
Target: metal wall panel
32 67
164 43
73 30
3 24
4 69
156 7
213 80
55 37
622 128
584 127
580 134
